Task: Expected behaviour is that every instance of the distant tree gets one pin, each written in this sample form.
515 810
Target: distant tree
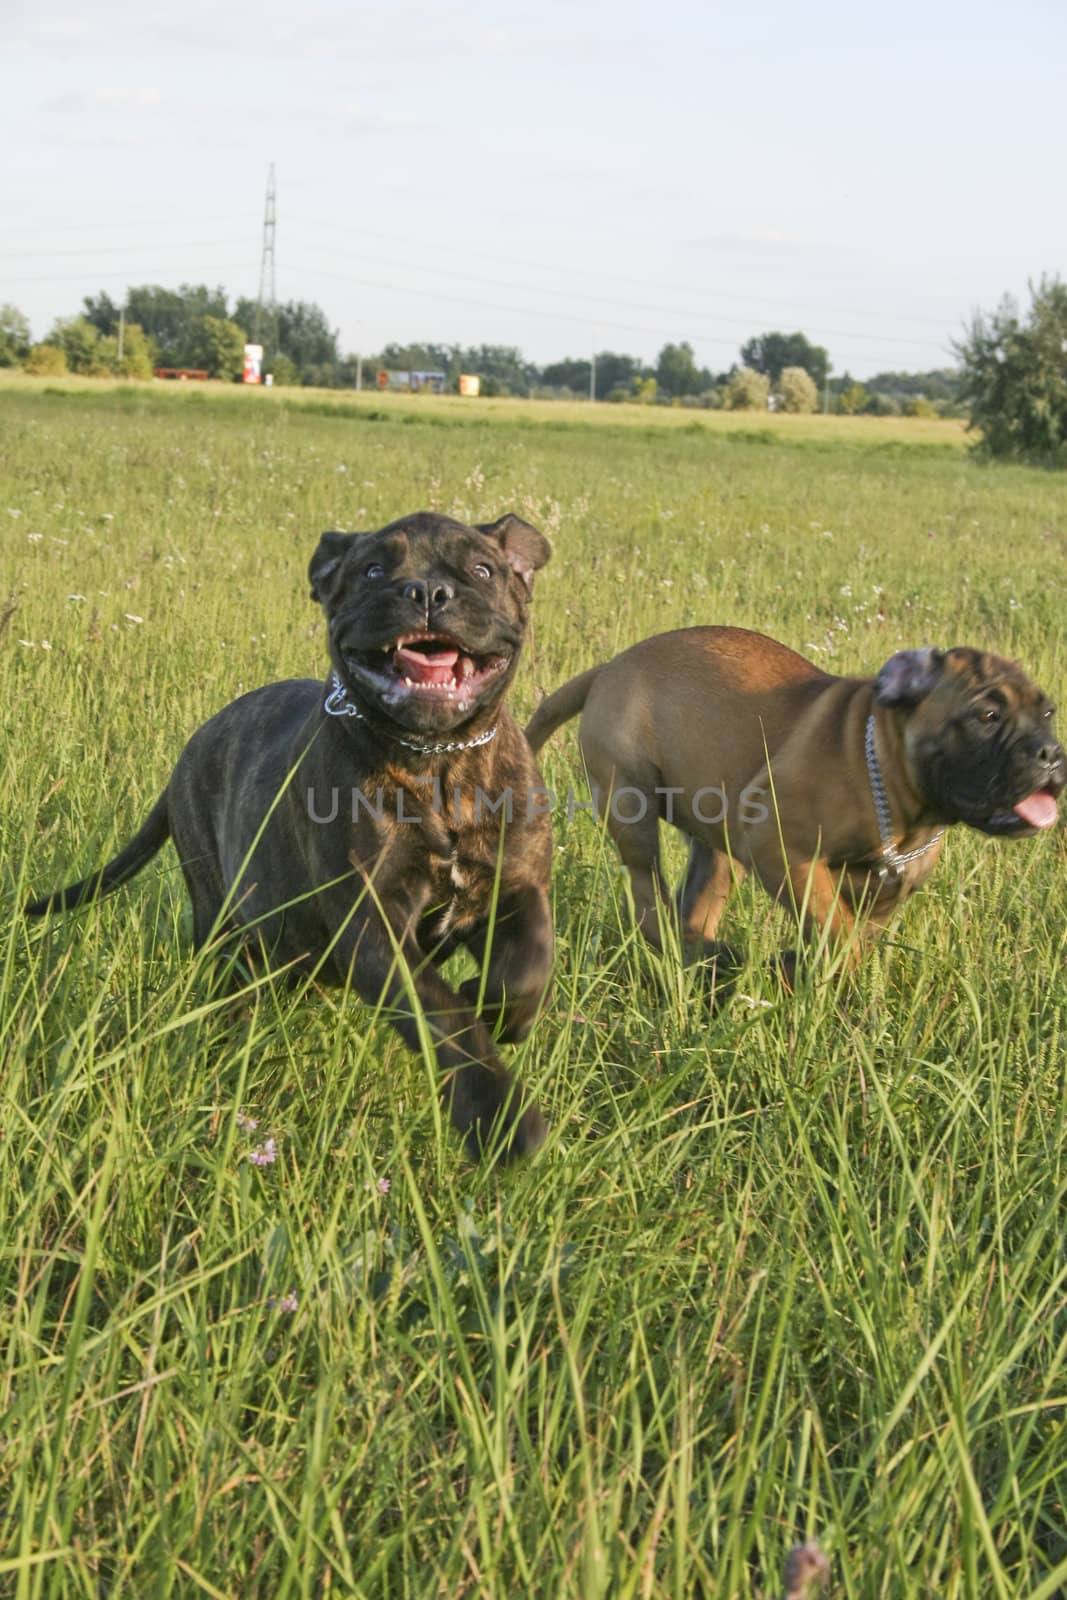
567 374
102 312
140 353
330 377
343 375
14 336
771 353
644 390
45 361
677 372
919 407
852 400
421 358
796 390
284 372
501 367
747 390
86 353
139 356
942 383
168 316
1015 376
218 346
105 360
614 371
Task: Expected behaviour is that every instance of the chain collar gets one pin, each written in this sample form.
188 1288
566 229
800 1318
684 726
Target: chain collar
894 860
337 704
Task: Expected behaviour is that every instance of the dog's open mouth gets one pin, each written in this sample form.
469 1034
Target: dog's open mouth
1038 810
432 665
1032 814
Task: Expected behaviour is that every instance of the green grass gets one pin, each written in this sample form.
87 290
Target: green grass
798 1269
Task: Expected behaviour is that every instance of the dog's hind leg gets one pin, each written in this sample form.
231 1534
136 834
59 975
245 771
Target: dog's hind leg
629 807
636 836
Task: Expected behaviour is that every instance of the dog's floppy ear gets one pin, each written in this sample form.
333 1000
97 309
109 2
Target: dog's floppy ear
525 548
908 676
330 552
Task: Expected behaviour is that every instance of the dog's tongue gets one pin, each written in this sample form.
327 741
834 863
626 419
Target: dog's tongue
1039 809
426 666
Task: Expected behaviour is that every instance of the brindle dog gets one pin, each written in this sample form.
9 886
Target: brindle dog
379 822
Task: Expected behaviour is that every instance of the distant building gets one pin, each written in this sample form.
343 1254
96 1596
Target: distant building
413 382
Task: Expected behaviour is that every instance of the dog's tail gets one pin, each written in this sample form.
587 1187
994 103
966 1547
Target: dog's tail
140 850
559 708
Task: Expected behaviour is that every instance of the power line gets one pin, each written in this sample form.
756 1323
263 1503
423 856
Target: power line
557 266
119 249
267 298
80 277
266 314
609 277
563 316
109 227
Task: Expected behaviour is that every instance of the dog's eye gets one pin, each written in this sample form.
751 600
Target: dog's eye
375 570
988 714
1049 713
482 571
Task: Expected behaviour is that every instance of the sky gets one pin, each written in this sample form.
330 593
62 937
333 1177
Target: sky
556 176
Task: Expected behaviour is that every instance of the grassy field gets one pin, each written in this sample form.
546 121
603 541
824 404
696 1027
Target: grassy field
454 411
795 1270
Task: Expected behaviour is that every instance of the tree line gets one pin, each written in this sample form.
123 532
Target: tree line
1011 377
195 327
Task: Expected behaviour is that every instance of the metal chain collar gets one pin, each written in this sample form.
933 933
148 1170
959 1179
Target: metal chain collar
337 704
895 860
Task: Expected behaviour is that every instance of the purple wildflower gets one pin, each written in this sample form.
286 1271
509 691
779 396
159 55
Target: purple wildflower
265 1155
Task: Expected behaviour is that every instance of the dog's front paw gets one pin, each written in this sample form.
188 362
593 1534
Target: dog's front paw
509 1134
720 965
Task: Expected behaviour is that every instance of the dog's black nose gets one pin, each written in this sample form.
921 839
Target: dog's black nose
424 595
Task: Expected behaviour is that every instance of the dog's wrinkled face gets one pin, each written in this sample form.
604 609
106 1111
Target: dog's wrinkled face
426 616
979 738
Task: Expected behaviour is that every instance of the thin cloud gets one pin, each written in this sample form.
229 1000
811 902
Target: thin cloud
123 28
765 245
85 102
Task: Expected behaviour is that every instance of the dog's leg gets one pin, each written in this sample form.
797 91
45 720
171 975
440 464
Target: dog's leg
709 878
516 979
483 1099
812 892
710 875
637 842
